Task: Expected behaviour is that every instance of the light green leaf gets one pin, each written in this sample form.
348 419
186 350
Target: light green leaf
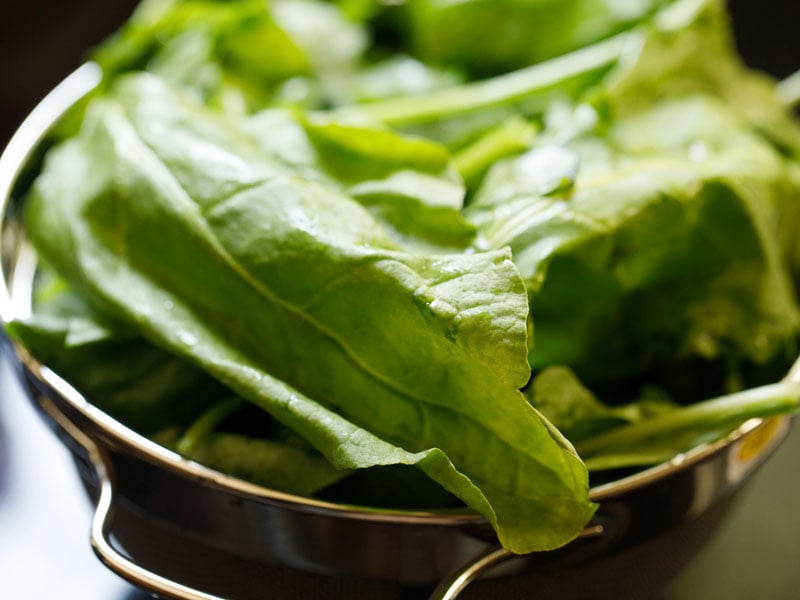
669 246
286 291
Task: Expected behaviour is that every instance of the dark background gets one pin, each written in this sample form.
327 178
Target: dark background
43 40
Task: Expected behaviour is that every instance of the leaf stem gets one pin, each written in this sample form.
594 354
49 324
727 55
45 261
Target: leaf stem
514 135
497 91
206 423
765 401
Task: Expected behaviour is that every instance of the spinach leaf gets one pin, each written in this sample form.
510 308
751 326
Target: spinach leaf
572 407
511 136
144 387
266 462
528 90
156 393
276 458
286 291
688 48
652 429
405 182
664 436
231 228
238 56
665 246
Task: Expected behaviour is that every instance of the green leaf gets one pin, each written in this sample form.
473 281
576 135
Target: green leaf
689 49
570 406
323 266
668 247
353 150
286 291
529 87
511 136
143 386
240 55
271 463
664 436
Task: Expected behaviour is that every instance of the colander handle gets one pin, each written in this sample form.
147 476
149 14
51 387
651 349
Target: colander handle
451 587
103 519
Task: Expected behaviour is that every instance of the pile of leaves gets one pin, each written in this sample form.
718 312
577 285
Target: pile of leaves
425 254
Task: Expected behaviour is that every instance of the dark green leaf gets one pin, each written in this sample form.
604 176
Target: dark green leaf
669 245
142 386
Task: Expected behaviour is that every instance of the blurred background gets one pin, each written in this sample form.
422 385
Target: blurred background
44 516
43 40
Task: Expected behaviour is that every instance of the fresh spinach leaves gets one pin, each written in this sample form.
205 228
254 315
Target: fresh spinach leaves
317 211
